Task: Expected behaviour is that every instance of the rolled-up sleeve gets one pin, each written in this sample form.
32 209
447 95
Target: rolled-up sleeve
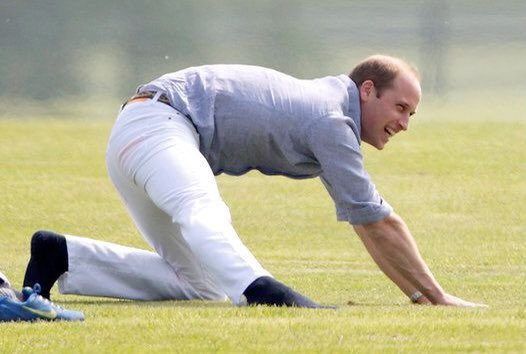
337 149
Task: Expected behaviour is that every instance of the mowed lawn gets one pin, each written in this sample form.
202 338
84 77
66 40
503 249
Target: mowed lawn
460 186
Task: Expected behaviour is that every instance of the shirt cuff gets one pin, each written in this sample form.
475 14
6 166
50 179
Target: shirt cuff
365 215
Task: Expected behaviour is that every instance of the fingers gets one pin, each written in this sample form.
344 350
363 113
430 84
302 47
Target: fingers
456 301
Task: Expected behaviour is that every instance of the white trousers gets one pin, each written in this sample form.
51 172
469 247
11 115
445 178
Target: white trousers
153 159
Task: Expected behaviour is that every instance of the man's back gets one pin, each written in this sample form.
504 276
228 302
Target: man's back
250 117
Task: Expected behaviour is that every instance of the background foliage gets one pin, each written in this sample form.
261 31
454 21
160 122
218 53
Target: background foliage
54 49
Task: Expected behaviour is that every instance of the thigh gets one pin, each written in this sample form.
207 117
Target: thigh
179 181
151 219
172 195
164 236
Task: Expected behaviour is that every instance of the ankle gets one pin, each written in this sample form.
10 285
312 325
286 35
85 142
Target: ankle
51 248
265 290
49 260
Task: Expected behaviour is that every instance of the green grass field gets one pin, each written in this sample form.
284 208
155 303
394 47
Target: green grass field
460 186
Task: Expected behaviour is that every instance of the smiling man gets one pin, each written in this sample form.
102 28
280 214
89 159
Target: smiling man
181 129
389 94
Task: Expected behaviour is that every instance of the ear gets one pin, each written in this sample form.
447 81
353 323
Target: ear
366 90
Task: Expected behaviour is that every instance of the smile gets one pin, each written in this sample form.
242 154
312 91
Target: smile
390 131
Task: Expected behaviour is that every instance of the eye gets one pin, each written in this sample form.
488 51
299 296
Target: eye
400 108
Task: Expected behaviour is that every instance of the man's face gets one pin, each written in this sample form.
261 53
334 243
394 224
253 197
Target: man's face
384 116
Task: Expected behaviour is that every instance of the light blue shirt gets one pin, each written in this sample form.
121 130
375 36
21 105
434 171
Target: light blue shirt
251 117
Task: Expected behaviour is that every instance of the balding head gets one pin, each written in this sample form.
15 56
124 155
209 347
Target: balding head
389 92
381 70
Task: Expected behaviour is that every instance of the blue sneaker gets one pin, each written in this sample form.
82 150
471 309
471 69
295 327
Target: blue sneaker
34 307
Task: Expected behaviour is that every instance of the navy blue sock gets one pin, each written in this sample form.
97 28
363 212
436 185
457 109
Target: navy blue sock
49 260
268 291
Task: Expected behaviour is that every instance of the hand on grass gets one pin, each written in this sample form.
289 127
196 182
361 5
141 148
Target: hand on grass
422 300
450 300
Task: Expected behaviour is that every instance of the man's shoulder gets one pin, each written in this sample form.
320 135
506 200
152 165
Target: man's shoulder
335 130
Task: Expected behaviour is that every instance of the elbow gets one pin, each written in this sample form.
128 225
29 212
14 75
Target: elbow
382 229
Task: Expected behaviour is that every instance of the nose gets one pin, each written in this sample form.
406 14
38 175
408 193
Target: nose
404 123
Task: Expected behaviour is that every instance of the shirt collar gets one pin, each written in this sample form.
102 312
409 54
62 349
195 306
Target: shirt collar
353 108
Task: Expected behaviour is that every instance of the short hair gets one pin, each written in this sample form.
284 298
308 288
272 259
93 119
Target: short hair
381 70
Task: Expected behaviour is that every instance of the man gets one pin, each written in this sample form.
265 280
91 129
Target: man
185 127
28 305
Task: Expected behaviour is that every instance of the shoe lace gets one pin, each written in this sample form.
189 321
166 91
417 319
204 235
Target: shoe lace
37 289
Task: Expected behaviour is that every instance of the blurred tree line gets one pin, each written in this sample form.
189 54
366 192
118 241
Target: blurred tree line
56 48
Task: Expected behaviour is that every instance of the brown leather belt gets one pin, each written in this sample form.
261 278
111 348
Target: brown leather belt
146 95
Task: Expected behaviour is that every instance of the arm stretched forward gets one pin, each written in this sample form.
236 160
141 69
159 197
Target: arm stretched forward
391 245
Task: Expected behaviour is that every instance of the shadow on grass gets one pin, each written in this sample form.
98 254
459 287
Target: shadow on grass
140 303
204 303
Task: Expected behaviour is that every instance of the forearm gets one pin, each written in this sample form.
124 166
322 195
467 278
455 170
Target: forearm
407 288
395 251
